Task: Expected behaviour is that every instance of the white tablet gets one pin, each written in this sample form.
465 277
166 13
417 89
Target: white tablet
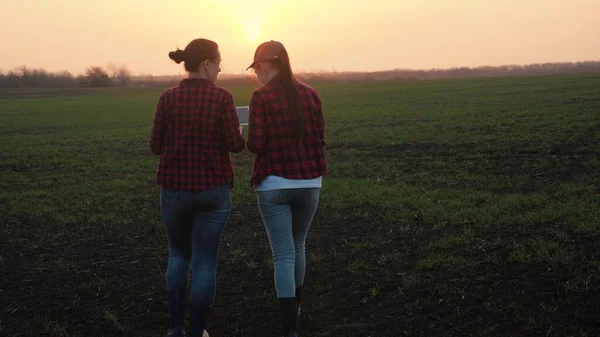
243 114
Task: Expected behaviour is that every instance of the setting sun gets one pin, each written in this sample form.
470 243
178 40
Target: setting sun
252 17
252 30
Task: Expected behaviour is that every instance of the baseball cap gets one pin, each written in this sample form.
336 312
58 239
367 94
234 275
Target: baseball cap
267 51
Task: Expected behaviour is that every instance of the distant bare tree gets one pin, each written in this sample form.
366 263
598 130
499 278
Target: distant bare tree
111 69
28 76
13 79
123 77
96 76
63 79
120 75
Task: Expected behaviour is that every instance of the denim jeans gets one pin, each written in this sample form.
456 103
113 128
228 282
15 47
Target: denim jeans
287 215
194 222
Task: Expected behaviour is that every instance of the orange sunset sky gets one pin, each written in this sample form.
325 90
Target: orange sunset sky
321 35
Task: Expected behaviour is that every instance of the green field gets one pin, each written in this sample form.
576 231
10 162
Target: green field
453 208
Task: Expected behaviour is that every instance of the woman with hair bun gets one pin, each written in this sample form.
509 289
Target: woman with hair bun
194 130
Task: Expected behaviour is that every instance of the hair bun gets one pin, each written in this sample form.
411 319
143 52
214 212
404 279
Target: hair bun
178 56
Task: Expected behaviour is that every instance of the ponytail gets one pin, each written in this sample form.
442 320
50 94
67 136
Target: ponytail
290 87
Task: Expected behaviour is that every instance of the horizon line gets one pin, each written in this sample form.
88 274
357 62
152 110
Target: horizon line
315 71
333 71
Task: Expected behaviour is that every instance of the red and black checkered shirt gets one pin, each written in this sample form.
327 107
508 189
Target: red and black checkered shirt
195 127
270 134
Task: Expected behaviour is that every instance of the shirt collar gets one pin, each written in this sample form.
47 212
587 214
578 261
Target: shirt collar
195 81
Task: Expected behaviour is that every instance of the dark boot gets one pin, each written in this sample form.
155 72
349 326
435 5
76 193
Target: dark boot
299 297
288 309
177 301
198 318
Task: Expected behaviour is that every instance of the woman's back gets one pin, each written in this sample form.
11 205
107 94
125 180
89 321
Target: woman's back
287 133
196 128
271 134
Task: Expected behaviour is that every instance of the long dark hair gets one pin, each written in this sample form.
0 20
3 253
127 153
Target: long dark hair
196 52
290 88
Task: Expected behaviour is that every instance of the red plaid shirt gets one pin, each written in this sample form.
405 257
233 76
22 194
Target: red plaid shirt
270 135
195 127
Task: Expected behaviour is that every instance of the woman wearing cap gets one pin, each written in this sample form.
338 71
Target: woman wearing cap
287 134
195 127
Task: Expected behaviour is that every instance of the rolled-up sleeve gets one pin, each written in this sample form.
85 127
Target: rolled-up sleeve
320 120
159 125
256 123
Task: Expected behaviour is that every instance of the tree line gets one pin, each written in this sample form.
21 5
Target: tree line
537 69
97 76
94 76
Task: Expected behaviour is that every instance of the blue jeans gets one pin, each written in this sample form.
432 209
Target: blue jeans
194 222
287 215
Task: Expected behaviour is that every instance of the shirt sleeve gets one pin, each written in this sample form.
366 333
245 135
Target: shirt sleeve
159 126
230 125
256 123
320 120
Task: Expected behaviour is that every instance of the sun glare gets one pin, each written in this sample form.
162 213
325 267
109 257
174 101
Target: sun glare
252 30
254 17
